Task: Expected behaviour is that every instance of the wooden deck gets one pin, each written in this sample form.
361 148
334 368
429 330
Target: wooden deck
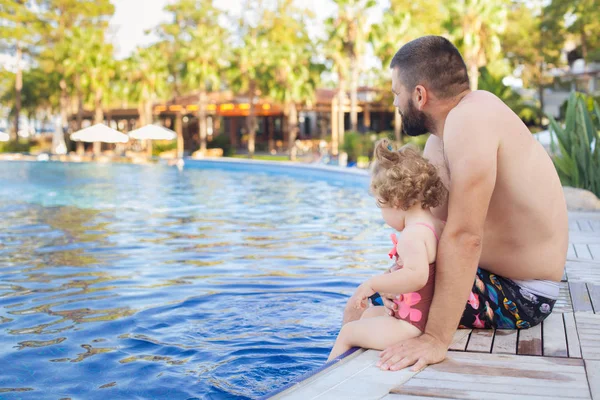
558 359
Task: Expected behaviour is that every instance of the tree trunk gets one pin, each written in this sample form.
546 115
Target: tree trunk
149 117
584 44
141 115
18 88
293 130
251 121
341 110
64 117
98 112
147 111
179 130
271 128
367 117
98 117
79 101
354 95
334 126
202 120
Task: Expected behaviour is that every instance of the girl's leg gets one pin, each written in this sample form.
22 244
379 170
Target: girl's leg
376 333
375 311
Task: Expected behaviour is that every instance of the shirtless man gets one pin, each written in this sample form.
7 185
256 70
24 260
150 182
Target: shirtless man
506 212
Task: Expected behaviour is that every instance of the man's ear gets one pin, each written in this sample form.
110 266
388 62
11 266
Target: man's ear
421 97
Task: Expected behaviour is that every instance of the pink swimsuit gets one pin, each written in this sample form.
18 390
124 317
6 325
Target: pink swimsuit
414 307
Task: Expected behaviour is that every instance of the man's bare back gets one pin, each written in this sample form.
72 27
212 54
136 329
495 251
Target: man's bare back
526 229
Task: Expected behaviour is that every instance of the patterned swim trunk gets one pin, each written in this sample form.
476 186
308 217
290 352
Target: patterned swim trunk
497 302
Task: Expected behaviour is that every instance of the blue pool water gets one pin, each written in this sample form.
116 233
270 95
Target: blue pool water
216 282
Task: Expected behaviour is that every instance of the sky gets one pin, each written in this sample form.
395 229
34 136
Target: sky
133 17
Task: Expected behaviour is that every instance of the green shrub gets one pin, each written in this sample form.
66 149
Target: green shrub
221 142
160 146
589 101
358 145
576 159
16 147
493 83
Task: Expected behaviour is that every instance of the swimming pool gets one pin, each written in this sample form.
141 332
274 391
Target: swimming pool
219 281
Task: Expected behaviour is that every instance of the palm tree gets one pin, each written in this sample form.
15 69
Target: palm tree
143 79
97 69
403 21
147 70
65 49
200 54
477 26
295 75
533 43
252 60
348 32
20 29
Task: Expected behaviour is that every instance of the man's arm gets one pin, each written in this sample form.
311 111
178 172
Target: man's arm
471 152
471 147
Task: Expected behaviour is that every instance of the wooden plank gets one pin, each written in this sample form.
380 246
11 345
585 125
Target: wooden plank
584 237
511 388
595 250
592 369
587 271
505 341
459 342
583 253
463 377
571 255
573 344
563 303
530 341
481 341
588 328
584 226
580 297
573 226
594 292
595 225
554 338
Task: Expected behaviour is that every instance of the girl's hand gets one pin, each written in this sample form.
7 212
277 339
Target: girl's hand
360 297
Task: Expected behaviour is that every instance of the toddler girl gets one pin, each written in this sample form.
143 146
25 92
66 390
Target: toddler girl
406 186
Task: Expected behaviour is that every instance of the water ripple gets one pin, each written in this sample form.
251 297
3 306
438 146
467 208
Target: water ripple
144 282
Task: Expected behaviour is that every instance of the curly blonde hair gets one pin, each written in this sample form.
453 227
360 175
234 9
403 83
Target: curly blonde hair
404 177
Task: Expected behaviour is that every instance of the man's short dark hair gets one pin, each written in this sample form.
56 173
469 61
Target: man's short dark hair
434 62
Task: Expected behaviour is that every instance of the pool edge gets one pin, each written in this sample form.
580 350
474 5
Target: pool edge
304 379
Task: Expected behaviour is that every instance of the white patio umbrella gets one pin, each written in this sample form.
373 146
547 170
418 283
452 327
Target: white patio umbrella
152 132
99 133
4 137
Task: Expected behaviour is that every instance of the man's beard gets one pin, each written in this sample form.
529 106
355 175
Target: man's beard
414 122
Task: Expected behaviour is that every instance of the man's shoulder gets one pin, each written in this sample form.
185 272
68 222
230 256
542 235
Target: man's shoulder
476 105
476 111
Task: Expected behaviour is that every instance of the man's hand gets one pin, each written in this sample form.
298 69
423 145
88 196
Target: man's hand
420 352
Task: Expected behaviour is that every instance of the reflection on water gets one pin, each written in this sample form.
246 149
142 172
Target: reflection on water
142 282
